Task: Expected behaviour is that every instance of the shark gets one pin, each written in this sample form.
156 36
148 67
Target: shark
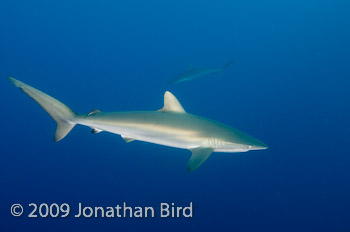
170 126
194 73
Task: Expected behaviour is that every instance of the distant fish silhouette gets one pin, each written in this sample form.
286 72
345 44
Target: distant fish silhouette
194 73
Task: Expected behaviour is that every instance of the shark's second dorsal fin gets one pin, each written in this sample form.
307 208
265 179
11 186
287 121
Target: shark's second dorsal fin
171 104
95 111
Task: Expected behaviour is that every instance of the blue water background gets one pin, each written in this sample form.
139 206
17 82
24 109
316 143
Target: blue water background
289 87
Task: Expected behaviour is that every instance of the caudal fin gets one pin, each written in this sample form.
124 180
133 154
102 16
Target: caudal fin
223 68
61 113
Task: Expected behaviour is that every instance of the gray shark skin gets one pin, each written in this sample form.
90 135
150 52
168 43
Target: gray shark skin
194 73
169 126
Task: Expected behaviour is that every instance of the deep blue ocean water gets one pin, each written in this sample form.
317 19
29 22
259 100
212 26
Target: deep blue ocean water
289 87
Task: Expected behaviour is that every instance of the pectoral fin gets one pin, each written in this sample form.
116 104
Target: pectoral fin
199 155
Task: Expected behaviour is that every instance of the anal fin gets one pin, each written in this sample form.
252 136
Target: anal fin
127 139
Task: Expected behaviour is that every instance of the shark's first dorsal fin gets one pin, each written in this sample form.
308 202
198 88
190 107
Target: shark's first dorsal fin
95 111
171 104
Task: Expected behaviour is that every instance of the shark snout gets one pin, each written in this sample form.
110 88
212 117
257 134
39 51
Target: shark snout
257 145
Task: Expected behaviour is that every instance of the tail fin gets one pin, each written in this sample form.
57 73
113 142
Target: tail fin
223 68
61 113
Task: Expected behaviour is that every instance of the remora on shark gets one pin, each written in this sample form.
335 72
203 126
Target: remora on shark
170 126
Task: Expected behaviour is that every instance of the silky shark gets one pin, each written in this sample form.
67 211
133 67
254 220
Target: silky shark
194 73
170 126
